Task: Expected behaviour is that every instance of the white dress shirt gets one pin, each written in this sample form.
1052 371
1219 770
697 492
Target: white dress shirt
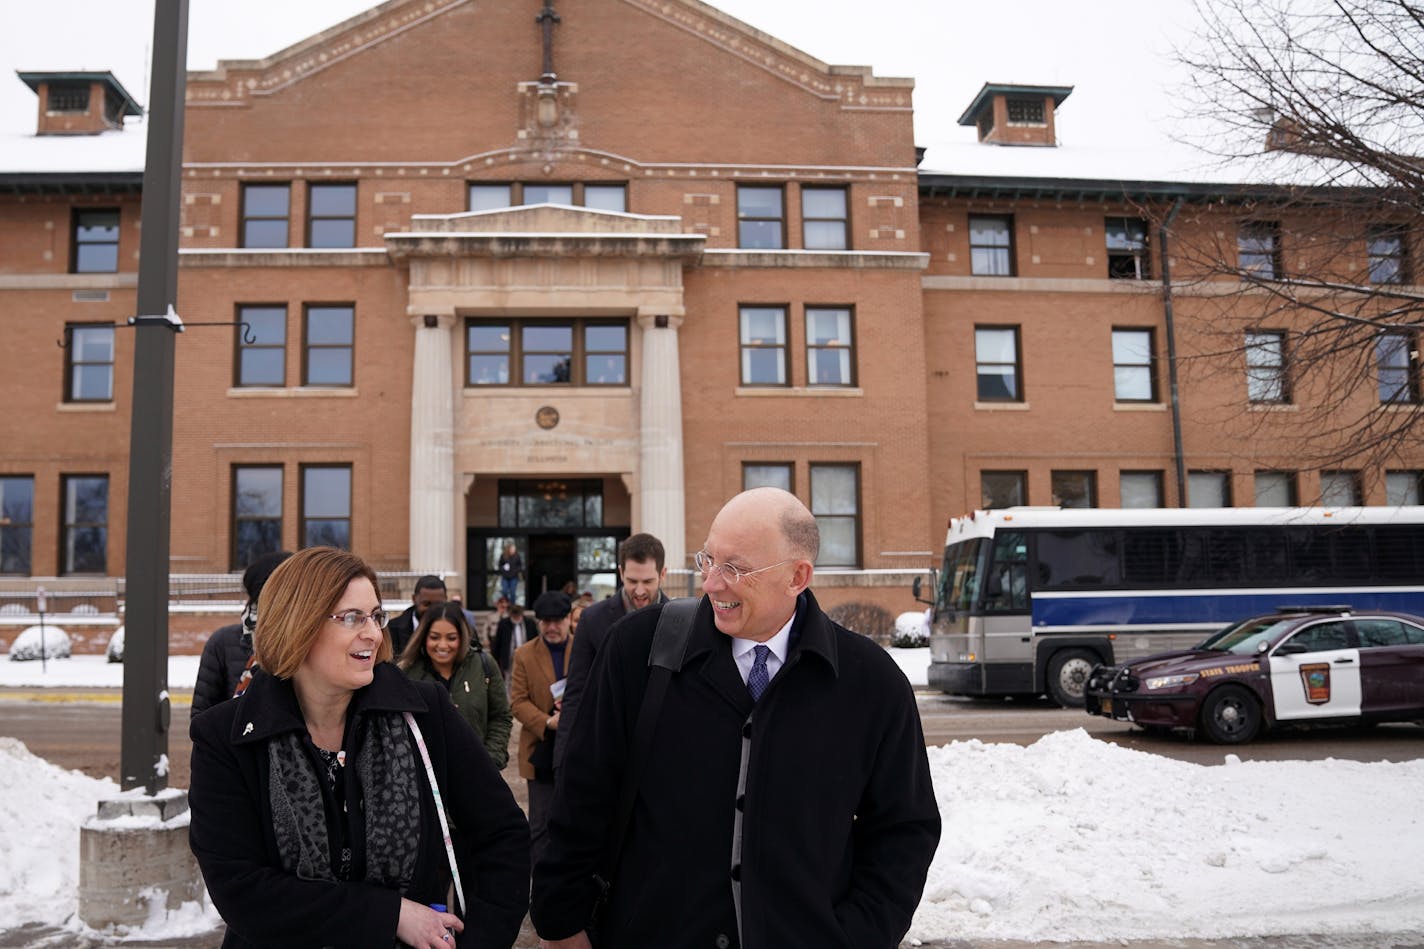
744 651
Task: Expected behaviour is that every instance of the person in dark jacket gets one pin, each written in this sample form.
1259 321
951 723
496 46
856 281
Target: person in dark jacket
228 652
642 570
314 816
429 591
445 649
786 797
513 631
511 568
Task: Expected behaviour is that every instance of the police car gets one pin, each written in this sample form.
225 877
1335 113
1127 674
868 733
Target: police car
1298 665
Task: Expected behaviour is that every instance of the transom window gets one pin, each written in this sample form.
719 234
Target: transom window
263 361
546 352
265 213
602 196
1127 248
330 345
763 342
1025 111
761 217
331 215
824 221
17 523
96 241
991 252
997 368
256 513
89 364
552 503
1132 366
830 347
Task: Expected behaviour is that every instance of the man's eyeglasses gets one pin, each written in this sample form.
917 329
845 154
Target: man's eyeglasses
355 619
730 574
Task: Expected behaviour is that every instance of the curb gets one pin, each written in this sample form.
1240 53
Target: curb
83 695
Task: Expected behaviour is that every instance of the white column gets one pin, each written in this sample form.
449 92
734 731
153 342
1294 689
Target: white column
432 447
661 497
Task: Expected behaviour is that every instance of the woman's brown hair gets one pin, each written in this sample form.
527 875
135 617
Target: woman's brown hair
297 601
450 611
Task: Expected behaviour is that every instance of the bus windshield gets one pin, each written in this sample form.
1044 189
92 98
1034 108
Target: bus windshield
960 579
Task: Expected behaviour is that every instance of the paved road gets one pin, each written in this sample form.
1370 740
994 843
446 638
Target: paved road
80 729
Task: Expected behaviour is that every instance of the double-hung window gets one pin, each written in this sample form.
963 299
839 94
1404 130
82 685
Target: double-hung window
1208 489
1127 248
767 474
997 367
1003 488
256 513
266 210
835 503
17 523
761 217
991 246
330 344
1133 378
96 241
85 537
830 346
261 345
326 506
824 220
89 364
1275 489
1340 489
763 344
331 215
1258 247
1394 361
1389 258
1266 367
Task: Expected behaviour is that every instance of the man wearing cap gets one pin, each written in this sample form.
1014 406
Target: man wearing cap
536 685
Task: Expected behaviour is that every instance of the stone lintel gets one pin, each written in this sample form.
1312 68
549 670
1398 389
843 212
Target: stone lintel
681 246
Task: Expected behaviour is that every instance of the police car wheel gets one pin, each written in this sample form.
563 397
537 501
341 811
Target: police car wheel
1231 715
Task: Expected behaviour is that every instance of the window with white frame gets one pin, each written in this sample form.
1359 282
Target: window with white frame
835 502
997 366
1133 376
830 346
763 344
1266 367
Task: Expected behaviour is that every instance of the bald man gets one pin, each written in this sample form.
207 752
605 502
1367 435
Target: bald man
786 798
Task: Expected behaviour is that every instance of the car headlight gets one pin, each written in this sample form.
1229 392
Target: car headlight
1172 682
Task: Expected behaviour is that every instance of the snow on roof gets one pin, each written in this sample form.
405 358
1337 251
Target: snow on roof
106 152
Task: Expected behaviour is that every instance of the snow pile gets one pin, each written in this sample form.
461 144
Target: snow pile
89 671
912 630
51 641
41 808
114 652
1077 839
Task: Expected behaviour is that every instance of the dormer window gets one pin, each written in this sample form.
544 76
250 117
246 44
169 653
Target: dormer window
1025 111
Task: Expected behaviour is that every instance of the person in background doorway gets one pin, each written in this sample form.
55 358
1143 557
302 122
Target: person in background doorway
225 665
534 695
429 591
511 568
513 631
313 813
641 572
444 649
489 628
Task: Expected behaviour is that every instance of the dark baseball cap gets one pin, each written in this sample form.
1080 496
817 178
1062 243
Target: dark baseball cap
552 605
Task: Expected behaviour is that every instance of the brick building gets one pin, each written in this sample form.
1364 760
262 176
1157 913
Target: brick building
593 280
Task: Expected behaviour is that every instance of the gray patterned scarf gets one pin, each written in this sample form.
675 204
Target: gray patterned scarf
388 792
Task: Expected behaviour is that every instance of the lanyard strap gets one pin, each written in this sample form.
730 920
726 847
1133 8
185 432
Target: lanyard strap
439 810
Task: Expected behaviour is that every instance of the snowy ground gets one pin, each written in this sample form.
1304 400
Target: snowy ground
1068 839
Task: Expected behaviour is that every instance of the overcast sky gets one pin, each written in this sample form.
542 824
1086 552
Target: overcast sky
1116 53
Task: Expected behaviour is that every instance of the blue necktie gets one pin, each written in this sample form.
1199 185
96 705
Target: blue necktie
758 678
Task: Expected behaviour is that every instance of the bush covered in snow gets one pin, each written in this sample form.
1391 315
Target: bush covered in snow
115 650
26 646
912 630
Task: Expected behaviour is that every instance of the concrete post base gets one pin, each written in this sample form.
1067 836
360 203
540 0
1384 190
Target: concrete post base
134 861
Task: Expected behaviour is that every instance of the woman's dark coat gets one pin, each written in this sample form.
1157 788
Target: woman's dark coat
231 832
225 655
477 689
840 818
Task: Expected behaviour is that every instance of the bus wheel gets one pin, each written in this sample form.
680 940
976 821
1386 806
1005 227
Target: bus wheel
1068 676
1231 715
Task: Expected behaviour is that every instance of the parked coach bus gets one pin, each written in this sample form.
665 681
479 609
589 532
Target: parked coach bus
1029 599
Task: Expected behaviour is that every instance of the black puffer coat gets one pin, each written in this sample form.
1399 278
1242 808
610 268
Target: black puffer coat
224 657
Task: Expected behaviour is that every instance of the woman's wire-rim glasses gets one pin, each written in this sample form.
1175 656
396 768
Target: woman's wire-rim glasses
355 619
732 575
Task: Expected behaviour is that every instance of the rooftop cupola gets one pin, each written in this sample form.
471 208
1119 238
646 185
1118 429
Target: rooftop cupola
1007 114
79 103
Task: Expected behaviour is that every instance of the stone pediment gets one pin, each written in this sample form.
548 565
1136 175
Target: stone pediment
545 230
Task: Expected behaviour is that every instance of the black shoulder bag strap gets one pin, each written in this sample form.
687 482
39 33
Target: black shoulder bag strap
670 639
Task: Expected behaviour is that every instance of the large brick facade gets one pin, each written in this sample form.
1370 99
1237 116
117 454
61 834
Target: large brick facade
417 100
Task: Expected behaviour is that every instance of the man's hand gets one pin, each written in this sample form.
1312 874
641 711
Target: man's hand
573 942
553 723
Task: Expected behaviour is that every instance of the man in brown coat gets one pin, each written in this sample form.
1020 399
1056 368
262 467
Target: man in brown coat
537 683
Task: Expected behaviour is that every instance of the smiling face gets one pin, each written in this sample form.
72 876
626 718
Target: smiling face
641 579
442 644
341 659
746 535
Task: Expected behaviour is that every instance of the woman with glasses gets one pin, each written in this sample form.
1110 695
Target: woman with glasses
444 649
316 795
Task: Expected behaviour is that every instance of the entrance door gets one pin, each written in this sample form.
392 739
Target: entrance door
553 562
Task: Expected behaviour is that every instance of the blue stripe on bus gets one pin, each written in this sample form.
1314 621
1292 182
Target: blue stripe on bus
1218 606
